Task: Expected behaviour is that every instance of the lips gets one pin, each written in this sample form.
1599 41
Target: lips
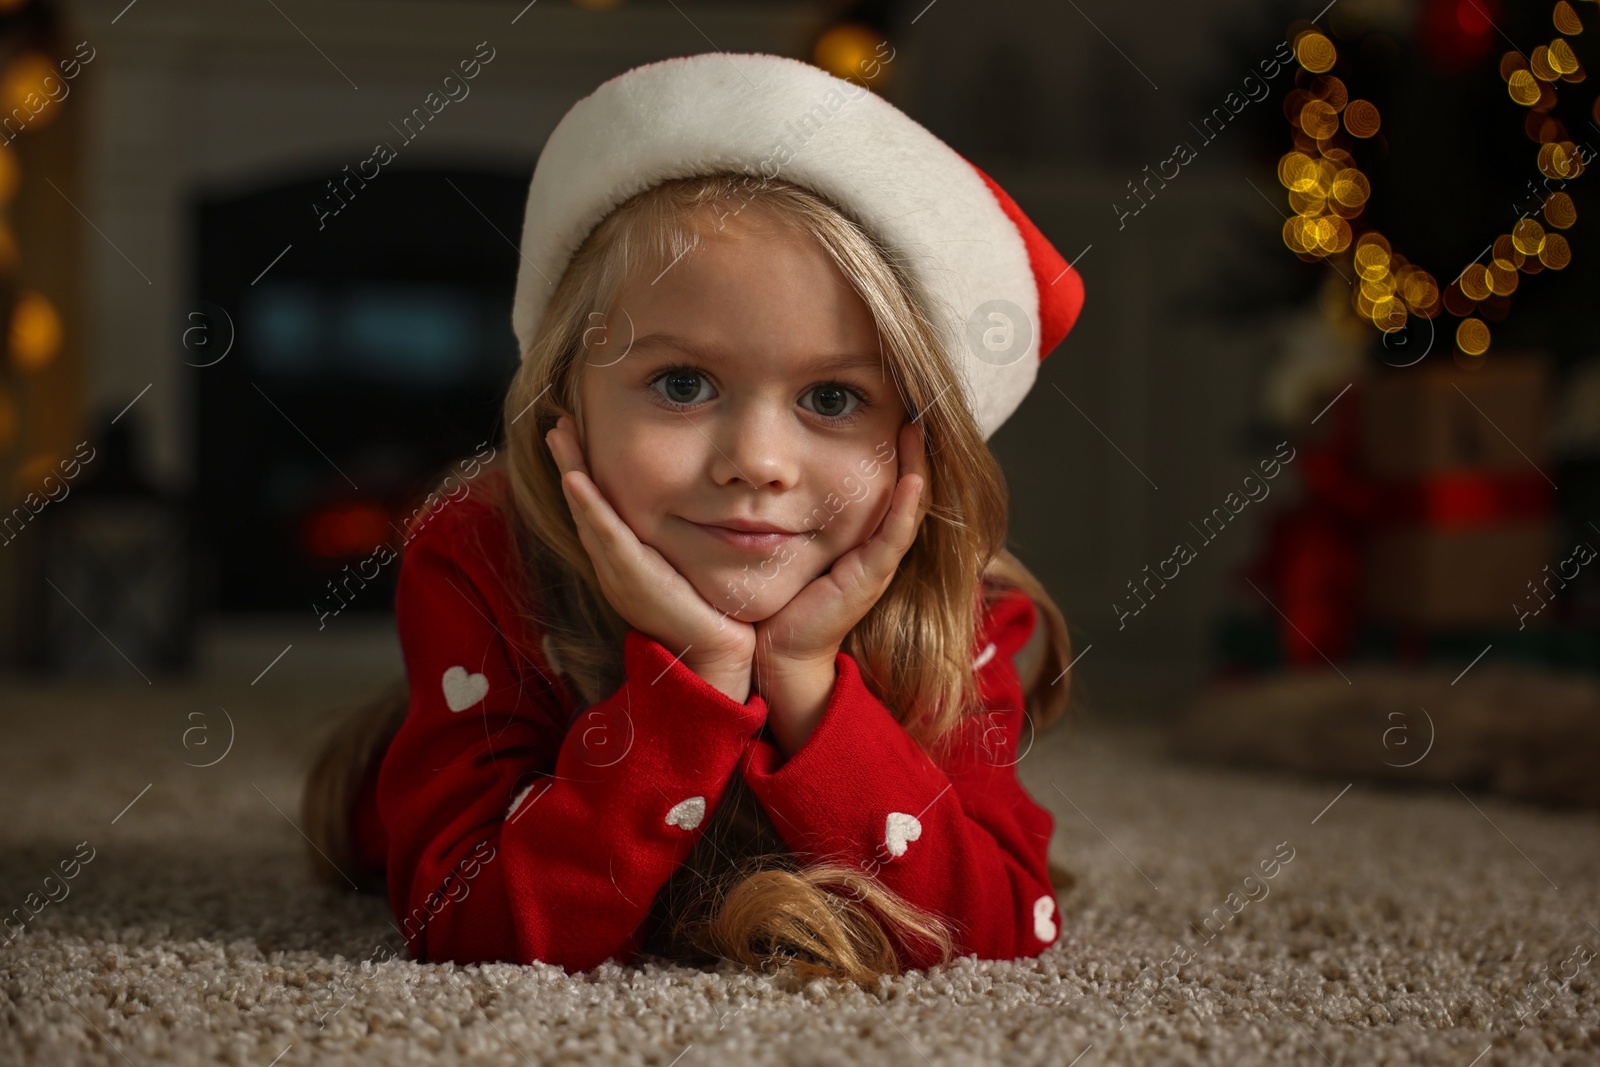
750 526
747 536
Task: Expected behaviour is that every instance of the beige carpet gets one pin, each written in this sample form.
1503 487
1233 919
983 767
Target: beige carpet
1409 927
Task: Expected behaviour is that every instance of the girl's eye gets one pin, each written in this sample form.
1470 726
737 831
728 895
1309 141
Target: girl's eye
681 386
835 401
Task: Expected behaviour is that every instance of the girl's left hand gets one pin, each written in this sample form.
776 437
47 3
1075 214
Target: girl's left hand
807 632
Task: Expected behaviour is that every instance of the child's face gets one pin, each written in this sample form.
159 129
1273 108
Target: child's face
755 427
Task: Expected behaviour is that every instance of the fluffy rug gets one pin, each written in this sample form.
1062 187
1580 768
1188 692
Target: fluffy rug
1219 916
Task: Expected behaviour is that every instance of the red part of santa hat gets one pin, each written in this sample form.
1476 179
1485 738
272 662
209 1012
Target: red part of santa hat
999 294
1060 286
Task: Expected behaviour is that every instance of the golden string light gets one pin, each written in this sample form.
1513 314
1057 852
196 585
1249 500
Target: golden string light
1327 191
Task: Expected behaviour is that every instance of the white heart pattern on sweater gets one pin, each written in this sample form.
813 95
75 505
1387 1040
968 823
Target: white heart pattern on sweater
898 829
1044 928
516 801
985 656
462 690
687 814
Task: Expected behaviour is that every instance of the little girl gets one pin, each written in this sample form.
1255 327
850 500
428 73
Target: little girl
716 659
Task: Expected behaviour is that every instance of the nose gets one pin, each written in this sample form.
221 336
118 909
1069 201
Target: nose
757 442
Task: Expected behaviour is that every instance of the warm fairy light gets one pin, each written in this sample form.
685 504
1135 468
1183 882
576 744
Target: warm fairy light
1361 302
1339 234
1319 119
1561 57
1318 236
1560 211
1560 159
1315 52
1372 261
1420 291
1522 87
1389 315
1474 281
1326 190
1472 337
24 79
1351 187
1294 234
1380 287
1346 211
35 331
1308 204
1566 19
1502 279
1361 118
1528 237
1297 172
1506 253
1539 63
1331 90
1555 254
1373 237
846 49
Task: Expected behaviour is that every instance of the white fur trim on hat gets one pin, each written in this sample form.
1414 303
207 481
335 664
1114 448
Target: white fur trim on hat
764 114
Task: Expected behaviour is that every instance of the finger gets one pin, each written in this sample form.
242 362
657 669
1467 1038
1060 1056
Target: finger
555 440
905 510
576 503
564 446
614 563
914 460
900 525
598 515
878 557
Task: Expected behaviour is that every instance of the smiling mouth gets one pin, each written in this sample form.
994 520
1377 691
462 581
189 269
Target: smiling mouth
746 541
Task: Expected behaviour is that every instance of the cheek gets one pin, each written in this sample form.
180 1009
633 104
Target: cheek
636 475
854 522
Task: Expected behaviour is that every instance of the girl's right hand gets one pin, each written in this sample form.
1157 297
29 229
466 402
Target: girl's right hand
646 590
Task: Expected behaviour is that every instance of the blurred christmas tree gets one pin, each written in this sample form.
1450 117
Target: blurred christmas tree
1430 167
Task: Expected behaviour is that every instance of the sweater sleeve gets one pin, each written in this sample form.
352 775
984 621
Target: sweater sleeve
959 837
518 835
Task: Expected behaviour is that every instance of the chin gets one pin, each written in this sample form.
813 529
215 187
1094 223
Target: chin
745 602
752 612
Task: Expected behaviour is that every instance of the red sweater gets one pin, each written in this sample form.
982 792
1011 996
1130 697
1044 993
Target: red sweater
515 824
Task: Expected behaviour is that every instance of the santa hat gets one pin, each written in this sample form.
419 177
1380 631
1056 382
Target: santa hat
1002 297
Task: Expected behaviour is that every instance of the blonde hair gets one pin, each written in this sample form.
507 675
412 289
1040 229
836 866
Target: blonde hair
741 895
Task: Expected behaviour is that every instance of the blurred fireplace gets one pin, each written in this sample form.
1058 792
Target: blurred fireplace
364 362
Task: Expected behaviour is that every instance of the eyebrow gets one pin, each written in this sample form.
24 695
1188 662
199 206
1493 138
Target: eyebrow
851 361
